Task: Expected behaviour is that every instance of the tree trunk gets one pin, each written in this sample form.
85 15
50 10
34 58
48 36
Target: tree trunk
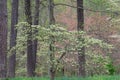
35 41
14 21
30 70
63 71
51 48
52 73
80 27
3 38
51 12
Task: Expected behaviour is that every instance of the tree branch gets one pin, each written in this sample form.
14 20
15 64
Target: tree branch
106 11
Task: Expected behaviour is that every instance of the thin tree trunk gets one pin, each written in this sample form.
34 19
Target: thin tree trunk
14 21
30 70
51 12
80 27
3 38
51 48
63 71
52 73
35 42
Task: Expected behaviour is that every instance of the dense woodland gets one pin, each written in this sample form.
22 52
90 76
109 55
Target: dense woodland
59 38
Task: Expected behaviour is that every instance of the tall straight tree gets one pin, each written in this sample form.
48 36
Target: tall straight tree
80 27
35 41
3 38
51 48
30 62
13 35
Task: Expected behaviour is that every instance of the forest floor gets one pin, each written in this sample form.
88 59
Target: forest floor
115 77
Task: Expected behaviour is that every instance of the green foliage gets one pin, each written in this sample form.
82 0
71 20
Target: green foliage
97 4
97 64
111 68
64 41
59 1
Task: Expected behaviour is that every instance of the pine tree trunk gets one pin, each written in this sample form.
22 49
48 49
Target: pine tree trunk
30 70
13 33
80 27
35 42
3 38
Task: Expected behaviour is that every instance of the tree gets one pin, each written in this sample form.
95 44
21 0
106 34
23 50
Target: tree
35 41
13 35
30 62
3 38
80 27
51 48
51 12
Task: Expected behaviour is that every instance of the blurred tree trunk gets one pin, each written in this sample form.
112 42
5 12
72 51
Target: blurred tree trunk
80 27
3 38
30 62
51 48
35 41
51 12
13 35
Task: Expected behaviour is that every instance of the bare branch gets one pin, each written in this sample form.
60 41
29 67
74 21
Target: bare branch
106 11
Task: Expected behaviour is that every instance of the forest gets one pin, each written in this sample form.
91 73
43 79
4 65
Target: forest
59 40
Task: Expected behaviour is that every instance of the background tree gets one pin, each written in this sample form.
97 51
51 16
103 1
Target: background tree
35 32
3 38
80 27
51 48
30 62
13 35
51 41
